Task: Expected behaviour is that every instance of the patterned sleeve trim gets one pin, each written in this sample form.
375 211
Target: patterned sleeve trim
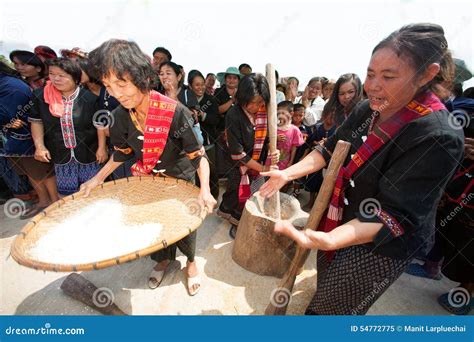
320 148
395 228
195 154
30 119
238 156
127 150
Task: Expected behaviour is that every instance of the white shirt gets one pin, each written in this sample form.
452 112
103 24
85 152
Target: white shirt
312 114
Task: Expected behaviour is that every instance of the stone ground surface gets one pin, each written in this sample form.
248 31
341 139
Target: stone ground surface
227 289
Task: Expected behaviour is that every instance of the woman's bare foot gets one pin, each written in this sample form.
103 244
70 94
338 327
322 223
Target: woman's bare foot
161 266
157 274
192 274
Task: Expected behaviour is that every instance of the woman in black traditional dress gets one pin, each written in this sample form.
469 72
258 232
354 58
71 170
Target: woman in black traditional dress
207 113
152 129
403 153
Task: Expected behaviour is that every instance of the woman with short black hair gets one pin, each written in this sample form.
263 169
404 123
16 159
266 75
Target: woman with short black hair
148 117
62 126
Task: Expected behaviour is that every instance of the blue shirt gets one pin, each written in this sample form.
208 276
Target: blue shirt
15 97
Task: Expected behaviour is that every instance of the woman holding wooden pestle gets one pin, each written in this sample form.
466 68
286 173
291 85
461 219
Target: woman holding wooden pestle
404 151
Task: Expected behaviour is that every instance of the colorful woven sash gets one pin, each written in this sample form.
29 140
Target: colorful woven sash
420 106
157 126
260 135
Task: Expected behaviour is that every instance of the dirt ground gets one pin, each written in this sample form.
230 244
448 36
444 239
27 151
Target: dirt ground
227 289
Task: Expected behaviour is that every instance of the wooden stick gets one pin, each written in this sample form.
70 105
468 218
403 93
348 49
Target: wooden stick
317 212
273 207
81 289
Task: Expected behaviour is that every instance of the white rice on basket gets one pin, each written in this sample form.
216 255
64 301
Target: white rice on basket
95 232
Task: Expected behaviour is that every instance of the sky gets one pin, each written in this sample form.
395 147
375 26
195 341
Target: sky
300 38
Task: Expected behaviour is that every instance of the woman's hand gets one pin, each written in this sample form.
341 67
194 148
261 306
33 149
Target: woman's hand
101 155
291 92
207 201
91 184
42 154
17 124
469 148
304 99
274 157
196 115
171 91
307 238
281 138
277 180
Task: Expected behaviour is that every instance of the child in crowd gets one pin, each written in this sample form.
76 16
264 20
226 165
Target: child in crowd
289 136
297 120
328 88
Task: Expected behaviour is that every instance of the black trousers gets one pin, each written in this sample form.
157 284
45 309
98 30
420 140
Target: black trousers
187 246
224 163
230 198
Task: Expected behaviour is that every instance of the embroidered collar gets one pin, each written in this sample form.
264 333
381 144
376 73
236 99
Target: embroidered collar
73 96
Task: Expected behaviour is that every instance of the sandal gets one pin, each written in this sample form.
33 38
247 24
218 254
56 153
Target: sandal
233 232
228 217
418 270
31 211
156 277
192 281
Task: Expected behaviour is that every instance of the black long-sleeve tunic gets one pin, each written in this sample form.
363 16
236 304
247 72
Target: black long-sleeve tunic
406 176
177 158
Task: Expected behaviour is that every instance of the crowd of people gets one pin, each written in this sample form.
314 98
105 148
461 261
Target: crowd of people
73 121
